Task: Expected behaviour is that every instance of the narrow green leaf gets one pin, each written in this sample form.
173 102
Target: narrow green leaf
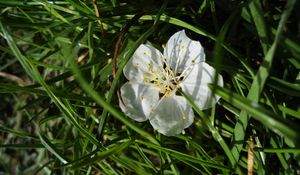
258 18
10 88
289 111
100 101
22 146
259 82
181 156
102 155
127 55
269 119
17 132
50 147
34 73
284 86
214 132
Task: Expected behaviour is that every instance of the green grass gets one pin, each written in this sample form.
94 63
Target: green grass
59 111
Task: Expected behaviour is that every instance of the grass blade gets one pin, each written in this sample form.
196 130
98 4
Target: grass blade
259 82
269 119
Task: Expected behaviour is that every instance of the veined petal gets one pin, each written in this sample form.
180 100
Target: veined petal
181 52
195 85
138 100
172 115
144 65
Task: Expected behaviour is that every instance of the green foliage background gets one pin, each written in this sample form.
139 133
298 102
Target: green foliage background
59 110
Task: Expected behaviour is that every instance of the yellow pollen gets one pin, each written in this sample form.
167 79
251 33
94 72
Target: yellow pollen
148 64
183 117
146 75
167 67
182 46
163 46
156 85
151 71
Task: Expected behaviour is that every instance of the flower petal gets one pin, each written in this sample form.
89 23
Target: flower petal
144 64
181 52
195 85
172 115
138 100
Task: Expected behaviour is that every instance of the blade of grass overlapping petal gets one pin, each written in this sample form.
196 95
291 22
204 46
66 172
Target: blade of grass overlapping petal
214 132
127 55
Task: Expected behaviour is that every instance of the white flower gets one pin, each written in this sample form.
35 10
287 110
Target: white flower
155 78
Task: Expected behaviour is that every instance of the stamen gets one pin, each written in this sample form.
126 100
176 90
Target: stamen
151 71
173 81
160 95
167 68
168 88
156 85
164 66
145 75
178 91
182 46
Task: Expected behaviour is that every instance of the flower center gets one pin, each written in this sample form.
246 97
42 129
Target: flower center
164 79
